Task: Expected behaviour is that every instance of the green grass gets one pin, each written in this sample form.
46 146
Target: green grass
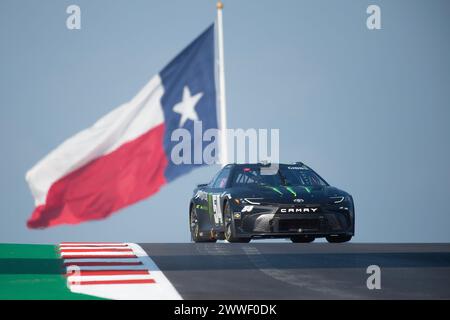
33 272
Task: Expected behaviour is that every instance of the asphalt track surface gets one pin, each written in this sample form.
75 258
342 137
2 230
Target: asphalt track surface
304 271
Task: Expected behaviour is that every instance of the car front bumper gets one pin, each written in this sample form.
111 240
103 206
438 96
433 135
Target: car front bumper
266 222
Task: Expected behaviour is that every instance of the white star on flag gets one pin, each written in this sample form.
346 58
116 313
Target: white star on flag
187 106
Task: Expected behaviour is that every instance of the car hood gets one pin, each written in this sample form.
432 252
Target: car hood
287 194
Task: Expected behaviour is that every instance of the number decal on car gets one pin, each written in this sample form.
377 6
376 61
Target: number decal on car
216 209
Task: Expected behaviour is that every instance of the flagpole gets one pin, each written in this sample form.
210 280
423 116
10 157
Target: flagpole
222 101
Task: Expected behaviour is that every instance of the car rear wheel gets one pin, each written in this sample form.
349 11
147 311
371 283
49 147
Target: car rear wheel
302 239
195 228
229 227
338 238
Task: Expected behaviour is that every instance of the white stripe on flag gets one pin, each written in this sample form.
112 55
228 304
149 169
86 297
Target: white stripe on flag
123 124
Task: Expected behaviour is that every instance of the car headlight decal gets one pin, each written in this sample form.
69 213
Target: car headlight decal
252 201
337 199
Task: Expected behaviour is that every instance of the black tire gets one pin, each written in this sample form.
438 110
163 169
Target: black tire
195 228
229 226
221 236
302 239
338 239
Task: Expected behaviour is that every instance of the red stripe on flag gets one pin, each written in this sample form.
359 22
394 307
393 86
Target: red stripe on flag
128 174
102 264
108 272
96 250
131 281
99 256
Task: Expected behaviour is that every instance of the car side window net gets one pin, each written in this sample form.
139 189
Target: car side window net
222 178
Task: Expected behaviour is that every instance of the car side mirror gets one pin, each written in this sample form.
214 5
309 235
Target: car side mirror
201 185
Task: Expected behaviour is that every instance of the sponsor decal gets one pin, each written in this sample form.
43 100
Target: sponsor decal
247 209
299 210
217 209
202 207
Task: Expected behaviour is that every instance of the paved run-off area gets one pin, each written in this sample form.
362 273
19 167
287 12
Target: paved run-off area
33 272
261 270
223 271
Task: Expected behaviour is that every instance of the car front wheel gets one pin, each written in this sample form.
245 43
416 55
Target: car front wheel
229 227
195 228
338 238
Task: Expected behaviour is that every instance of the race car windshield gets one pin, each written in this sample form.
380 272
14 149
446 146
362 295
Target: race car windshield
300 176
285 176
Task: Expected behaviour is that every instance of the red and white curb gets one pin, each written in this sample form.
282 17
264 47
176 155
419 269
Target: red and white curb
114 270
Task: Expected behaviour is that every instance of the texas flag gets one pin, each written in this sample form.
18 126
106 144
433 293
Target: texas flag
126 155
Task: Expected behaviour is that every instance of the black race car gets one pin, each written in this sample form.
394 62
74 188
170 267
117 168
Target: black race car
249 201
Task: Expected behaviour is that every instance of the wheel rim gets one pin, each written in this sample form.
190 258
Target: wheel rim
194 223
227 222
228 231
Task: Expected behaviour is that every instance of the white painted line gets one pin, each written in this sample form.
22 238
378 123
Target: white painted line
75 261
91 244
91 253
138 267
92 248
119 291
116 277
160 289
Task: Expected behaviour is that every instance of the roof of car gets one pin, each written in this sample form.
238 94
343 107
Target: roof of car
267 164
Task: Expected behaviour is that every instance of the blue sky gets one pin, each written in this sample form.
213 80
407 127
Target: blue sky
369 110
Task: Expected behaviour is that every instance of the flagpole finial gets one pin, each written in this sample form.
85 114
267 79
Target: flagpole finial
219 5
